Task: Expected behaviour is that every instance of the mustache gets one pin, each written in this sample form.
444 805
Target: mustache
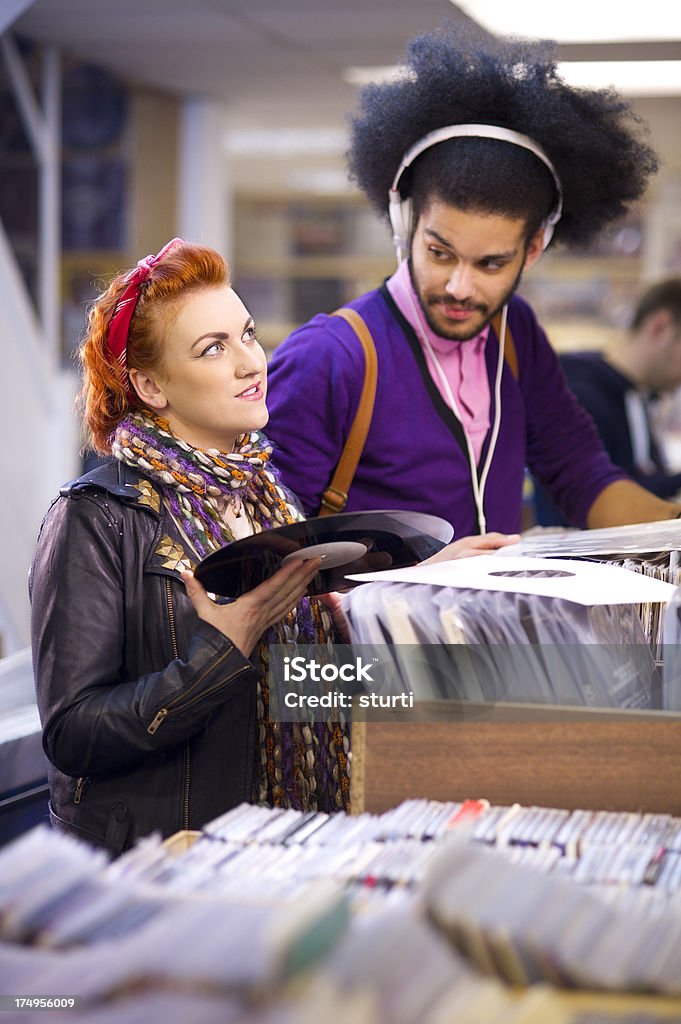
447 300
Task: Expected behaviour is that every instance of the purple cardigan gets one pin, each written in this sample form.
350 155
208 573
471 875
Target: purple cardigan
414 457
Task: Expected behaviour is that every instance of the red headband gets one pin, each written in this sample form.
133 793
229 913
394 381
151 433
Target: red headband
119 324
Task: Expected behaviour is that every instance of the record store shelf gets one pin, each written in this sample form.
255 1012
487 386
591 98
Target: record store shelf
288 917
531 754
524 1002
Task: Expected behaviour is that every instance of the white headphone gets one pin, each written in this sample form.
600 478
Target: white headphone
400 209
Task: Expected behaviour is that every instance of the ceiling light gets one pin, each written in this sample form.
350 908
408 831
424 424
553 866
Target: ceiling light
286 141
325 181
579 21
380 73
630 77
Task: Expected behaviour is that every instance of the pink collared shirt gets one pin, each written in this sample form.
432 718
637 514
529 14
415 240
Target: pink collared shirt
462 362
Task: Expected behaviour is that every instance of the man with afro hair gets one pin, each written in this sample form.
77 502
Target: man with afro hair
479 157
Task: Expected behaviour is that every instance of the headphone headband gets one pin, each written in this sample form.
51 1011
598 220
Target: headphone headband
400 209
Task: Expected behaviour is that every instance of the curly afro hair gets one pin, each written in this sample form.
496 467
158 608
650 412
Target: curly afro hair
592 137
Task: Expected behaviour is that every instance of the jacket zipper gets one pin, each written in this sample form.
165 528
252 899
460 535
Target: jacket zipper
173 643
171 617
164 712
80 788
185 801
187 751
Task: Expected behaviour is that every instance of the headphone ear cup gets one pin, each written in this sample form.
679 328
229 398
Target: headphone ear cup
400 220
550 223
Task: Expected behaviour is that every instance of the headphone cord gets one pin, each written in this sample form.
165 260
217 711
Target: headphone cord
478 485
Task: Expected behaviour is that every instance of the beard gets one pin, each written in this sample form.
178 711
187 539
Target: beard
485 313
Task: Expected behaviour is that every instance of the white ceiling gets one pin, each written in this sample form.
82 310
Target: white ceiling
270 61
267 59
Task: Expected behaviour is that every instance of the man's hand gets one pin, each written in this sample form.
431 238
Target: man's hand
467 546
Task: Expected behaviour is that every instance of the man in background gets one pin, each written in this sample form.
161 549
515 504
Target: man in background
618 385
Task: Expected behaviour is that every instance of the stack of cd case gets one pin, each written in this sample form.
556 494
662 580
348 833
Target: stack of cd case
526 927
130 941
301 886
423 913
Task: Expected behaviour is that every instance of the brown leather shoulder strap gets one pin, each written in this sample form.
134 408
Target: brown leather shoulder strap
510 353
335 496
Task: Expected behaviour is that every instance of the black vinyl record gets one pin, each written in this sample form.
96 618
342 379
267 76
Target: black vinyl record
349 542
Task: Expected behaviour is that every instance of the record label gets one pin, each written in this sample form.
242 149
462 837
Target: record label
340 552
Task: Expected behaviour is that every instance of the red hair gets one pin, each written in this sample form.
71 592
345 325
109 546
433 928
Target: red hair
105 395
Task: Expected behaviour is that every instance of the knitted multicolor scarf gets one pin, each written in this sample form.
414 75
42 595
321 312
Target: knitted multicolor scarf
299 765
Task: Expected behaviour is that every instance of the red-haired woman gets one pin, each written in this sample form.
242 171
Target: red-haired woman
153 697
153 707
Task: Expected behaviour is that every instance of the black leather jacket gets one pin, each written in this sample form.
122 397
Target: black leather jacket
148 713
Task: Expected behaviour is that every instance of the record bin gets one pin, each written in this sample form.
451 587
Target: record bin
568 757
546 754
